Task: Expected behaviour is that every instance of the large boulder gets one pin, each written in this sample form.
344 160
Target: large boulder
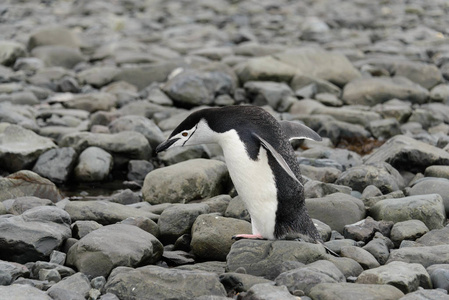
20 147
186 181
108 247
151 282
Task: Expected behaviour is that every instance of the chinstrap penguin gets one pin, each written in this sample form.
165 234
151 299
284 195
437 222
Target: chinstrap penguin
261 163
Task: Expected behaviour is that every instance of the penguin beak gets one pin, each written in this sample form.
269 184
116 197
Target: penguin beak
165 145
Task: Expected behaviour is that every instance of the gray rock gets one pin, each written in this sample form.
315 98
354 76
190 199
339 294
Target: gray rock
43 265
345 158
360 255
319 63
384 129
426 255
163 283
324 230
323 174
434 237
408 230
126 197
111 246
217 267
212 236
83 228
179 154
10 51
364 230
305 278
19 147
395 108
49 275
20 98
347 266
28 64
439 274
405 276
57 257
53 35
56 164
350 291
426 75
17 114
77 284
336 244
440 93
265 68
144 223
139 124
237 210
22 204
178 219
437 171
268 291
104 212
10 271
138 169
177 258
58 56
218 204
237 282
275 94
426 295
364 91
406 153
125 145
22 292
427 208
97 76
34 234
318 189
379 248
381 175
321 87
337 131
336 210
263 258
92 102
186 181
431 186
94 164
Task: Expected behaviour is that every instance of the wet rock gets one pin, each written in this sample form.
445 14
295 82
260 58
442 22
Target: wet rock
305 278
344 209
23 292
364 91
263 258
111 246
408 230
405 153
425 255
94 164
19 147
124 145
163 283
139 124
212 236
427 208
178 219
431 186
185 181
56 164
381 175
328 291
104 212
34 234
360 255
405 276
268 291
11 271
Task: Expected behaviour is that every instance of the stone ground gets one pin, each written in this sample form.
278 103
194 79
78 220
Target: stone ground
88 89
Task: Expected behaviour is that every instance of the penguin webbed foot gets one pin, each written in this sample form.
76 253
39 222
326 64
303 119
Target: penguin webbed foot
248 236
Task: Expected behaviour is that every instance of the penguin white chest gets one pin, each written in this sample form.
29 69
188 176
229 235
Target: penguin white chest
254 182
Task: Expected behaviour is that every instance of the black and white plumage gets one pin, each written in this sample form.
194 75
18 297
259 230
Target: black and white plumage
261 163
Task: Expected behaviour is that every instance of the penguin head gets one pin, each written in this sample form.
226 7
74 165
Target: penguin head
193 130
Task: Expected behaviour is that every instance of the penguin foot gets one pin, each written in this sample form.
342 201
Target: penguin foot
248 236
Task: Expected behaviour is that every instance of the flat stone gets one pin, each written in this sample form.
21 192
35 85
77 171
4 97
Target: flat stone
408 230
22 204
77 284
425 255
436 294
53 35
427 208
360 255
162 283
92 102
434 237
23 292
265 68
186 181
100 251
431 185
405 276
20 148
268 291
350 291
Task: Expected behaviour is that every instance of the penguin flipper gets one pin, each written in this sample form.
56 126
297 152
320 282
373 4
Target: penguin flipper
281 161
298 131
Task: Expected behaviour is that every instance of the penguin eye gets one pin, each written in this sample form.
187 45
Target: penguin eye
184 133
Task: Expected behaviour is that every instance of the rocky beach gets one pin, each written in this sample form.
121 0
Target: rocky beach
89 88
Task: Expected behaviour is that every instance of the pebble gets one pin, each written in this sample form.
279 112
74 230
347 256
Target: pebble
372 80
